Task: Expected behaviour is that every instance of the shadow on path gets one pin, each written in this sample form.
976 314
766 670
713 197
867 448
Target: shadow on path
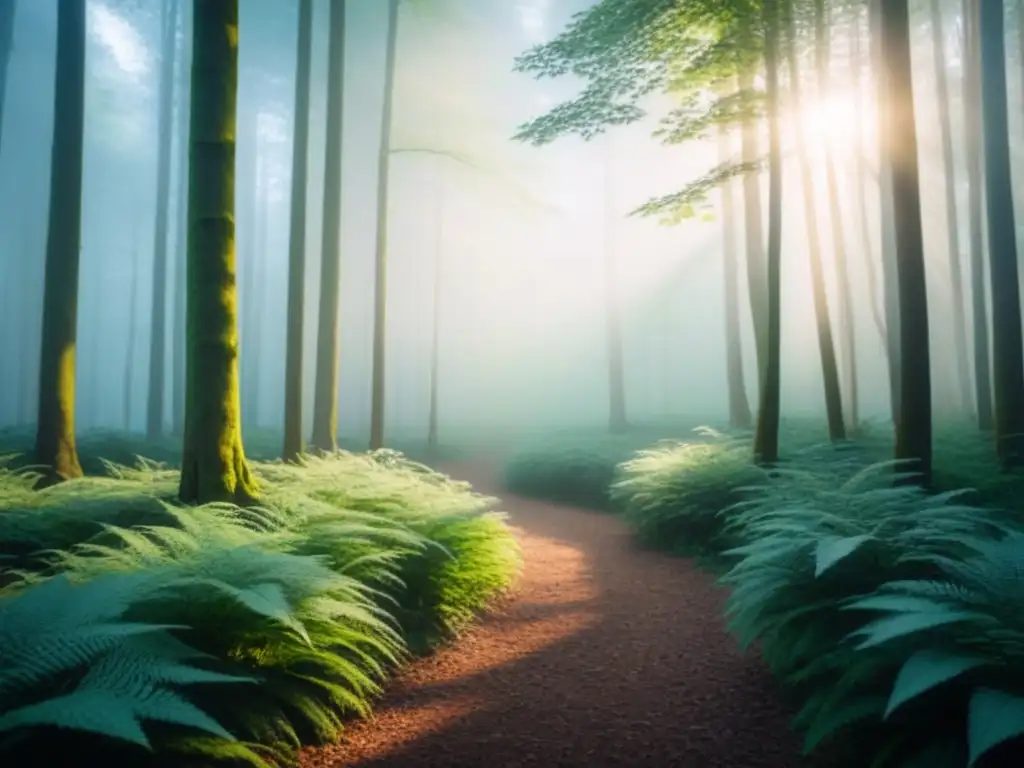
604 655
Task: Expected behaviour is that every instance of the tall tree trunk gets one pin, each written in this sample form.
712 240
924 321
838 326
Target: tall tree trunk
260 272
890 280
823 323
158 320
129 358
297 240
213 465
181 246
435 326
7 9
952 221
766 436
380 294
739 407
847 330
914 428
861 199
757 286
975 179
617 419
325 391
55 426
1007 342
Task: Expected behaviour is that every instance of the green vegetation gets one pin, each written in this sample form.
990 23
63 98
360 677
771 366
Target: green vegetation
890 612
222 633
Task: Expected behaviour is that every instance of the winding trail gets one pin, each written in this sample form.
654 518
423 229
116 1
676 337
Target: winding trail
604 655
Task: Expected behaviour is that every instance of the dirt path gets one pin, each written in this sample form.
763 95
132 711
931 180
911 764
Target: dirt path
605 655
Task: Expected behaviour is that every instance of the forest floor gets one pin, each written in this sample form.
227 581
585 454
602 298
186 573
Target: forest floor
603 655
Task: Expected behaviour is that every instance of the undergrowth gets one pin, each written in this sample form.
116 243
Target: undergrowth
891 613
152 633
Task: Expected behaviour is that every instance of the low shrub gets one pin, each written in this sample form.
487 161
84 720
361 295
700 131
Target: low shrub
224 634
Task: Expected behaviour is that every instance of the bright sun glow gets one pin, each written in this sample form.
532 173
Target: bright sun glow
833 119
122 40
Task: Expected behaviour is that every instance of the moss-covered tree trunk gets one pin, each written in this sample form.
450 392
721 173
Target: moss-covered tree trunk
297 241
975 215
740 416
55 427
890 290
380 293
819 293
899 142
325 385
1007 342
213 465
158 319
766 436
952 224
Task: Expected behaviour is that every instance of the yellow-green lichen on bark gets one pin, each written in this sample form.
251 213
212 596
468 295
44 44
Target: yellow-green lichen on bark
213 467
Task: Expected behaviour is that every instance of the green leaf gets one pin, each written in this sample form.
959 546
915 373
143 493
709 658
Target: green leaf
992 718
892 627
832 720
833 549
925 670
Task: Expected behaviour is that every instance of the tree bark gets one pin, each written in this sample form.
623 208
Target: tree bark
1007 342
740 416
297 240
213 466
55 426
952 221
181 246
914 427
975 206
766 436
823 323
890 279
380 294
158 320
325 391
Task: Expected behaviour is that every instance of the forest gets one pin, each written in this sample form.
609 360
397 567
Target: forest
516 382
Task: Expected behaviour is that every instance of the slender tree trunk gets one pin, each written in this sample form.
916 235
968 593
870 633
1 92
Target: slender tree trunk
325 391
861 199
181 245
847 331
380 294
823 323
975 203
7 10
952 225
435 327
158 327
297 240
247 225
766 437
129 359
750 152
260 272
1007 342
740 416
55 426
890 278
617 419
213 465
914 428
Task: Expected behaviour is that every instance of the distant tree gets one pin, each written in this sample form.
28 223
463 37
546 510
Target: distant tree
899 142
158 328
181 238
975 212
325 391
297 240
55 427
127 386
213 467
7 10
380 294
1007 343
617 418
952 226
